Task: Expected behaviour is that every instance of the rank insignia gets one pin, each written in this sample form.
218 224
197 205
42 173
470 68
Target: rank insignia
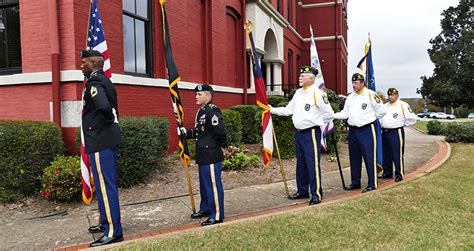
364 106
377 98
409 109
306 107
94 91
395 115
214 120
325 99
202 128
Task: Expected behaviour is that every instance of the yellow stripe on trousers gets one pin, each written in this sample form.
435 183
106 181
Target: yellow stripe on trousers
402 166
104 195
316 162
214 188
375 154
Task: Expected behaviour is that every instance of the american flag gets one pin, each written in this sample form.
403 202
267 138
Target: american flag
95 36
95 41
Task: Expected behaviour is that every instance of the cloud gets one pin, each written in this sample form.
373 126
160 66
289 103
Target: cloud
400 32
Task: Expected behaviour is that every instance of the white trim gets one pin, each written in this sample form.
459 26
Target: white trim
269 9
339 37
319 5
76 75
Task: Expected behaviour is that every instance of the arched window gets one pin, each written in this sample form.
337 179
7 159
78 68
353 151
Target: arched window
290 70
234 48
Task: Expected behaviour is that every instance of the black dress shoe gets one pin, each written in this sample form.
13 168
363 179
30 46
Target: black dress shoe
297 195
352 187
210 222
96 229
368 189
104 240
199 214
398 179
314 201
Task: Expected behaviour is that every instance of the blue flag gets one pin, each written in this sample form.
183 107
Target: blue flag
370 78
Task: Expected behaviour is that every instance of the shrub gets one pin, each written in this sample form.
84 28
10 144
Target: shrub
145 141
237 160
435 127
459 132
26 148
62 179
285 134
276 100
250 116
338 124
233 127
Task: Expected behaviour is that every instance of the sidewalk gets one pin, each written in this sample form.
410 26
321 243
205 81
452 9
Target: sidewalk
172 215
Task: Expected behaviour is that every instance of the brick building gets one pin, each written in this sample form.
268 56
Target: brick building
40 77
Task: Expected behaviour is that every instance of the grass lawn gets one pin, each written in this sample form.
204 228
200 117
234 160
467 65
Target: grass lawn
433 212
421 125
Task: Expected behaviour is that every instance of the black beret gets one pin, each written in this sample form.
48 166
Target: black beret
392 91
203 87
90 53
357 77
308 69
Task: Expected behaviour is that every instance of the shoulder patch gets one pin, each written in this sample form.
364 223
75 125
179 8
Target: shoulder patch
325 99
213 106
94 91
377 98
214 120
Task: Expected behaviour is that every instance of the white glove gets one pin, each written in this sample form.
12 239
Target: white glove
271 107
181 130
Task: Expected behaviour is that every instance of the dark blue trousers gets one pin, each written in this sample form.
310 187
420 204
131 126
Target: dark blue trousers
212 191
104 169
308 168
393 151
363 144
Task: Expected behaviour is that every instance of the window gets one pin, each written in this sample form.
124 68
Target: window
137 37
234 48
10 43
290 69
289 9
279 6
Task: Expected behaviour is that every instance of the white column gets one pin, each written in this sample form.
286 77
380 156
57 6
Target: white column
252 78
268 75
277 79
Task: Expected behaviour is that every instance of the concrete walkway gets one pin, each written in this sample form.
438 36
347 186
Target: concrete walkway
172 215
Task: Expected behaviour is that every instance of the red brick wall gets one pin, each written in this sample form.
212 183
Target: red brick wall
25 102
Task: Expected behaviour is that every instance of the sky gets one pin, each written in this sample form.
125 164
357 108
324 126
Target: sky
400 32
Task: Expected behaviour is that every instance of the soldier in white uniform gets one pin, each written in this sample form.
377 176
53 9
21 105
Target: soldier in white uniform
361 109
398 115
309 109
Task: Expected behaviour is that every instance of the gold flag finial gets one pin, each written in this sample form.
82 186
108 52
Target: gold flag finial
248 25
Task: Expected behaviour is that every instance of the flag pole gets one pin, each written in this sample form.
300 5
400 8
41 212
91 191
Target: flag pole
281 165
190 187
338 160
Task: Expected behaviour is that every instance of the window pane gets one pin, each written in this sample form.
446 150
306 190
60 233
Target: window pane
129 5
3 44
12 25
140 46
142 8
128 44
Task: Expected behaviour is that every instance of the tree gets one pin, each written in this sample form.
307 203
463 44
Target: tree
452 53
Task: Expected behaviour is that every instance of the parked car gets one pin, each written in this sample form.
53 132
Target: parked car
471 115
441 115
424 114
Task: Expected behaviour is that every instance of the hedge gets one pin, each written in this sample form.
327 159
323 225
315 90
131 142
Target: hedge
145 142
26 148
250 116
435 127
285 134
459 132
233 127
